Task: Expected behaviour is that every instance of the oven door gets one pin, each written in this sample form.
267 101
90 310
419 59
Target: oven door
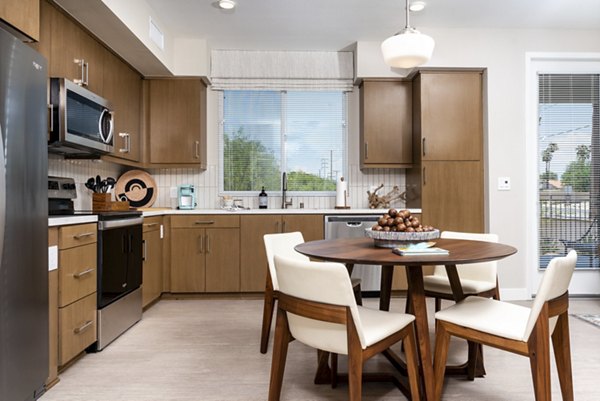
119 259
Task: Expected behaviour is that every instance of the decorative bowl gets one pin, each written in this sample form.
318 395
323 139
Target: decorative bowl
391 239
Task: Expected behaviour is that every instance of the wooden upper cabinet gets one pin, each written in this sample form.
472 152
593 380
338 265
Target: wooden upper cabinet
177 122
386 124
123 88
22 15
74 54
449 113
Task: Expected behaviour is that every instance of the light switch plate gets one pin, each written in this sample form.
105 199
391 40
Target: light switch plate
503 183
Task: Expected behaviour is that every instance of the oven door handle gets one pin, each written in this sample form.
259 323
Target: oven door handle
108 224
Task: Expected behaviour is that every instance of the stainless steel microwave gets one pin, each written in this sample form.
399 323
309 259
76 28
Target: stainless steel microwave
81 122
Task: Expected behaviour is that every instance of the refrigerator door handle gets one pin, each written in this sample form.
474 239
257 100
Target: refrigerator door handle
2 193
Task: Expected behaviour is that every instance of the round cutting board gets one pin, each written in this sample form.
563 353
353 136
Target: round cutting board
138 187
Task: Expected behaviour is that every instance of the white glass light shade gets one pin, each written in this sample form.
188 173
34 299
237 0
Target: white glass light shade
407 49
227 4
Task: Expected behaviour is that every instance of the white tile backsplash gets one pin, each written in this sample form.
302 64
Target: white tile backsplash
207 186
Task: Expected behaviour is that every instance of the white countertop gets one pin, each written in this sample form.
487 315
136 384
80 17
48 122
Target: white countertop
160 212
67 220
55 221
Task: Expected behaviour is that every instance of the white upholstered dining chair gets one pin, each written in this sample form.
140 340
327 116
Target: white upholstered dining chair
476 279
282 244
518 329
317 307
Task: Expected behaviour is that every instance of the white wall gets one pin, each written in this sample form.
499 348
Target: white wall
502 52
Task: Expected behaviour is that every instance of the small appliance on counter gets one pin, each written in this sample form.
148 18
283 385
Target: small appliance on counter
61 192
186 197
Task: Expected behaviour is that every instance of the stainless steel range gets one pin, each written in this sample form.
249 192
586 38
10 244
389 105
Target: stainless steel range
119 261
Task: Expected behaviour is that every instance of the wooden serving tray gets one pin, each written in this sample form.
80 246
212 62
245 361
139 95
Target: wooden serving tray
103 203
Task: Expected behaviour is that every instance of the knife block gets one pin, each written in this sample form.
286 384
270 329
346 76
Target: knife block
102 202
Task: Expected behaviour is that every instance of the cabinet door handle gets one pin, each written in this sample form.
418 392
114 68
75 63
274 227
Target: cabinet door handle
143 250
83 273
424 177
83 327
126 142
83 235
204 222
366 150
207 243
276 226
283 227
150 225
87 74
197 154
423 147
81 63
201 241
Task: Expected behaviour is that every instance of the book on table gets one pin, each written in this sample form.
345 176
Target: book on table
421 248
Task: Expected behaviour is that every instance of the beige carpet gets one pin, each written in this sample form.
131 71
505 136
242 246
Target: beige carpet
204 350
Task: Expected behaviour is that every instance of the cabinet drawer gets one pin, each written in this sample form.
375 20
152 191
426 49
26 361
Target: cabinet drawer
205 221
76 273
82 234
77 328
152 223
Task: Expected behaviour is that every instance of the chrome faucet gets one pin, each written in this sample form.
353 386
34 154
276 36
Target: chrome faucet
284 202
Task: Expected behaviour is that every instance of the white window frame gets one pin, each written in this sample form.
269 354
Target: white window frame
278 193
548 63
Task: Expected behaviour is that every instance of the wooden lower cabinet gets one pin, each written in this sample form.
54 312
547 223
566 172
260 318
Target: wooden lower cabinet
253 269
152 273
76 295
187 260
77 323
205 253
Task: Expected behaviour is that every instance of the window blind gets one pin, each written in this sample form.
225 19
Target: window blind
266 133
569 165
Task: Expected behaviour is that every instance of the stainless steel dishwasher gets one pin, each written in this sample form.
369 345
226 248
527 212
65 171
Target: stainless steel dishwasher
353 226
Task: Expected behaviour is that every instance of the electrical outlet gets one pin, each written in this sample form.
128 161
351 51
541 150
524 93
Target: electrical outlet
503 183
173 192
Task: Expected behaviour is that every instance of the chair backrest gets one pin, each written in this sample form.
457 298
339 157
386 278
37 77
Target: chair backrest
485 271
282 244
555 282
323 282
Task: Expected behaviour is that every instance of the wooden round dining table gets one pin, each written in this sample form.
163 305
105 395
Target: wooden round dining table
351 251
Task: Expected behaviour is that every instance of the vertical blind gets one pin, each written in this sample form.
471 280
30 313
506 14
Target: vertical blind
569 165
266 133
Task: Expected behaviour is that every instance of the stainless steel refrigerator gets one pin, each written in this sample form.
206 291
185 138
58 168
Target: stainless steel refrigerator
23 221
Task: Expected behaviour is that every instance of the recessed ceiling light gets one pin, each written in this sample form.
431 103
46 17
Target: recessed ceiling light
227 4
417 5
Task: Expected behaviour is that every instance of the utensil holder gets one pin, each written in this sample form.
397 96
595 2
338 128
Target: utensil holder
101 202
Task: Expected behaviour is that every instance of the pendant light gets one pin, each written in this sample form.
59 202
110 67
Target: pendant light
408 48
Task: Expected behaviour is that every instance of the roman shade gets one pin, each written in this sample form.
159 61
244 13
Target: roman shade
282 70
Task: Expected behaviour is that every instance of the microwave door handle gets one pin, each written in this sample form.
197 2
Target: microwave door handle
111 126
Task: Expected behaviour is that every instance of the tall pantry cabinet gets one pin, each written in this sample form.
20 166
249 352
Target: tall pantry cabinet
447 181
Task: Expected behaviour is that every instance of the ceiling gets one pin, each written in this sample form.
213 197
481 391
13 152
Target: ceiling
336 24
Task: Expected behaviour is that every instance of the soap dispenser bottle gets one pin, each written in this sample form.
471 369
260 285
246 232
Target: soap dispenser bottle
262 199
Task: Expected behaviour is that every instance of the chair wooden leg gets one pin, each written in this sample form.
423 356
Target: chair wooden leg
268 309
280 347
539 357
442 341
438 304
355 361
496 295
334 371
410 349
562 353
358 294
